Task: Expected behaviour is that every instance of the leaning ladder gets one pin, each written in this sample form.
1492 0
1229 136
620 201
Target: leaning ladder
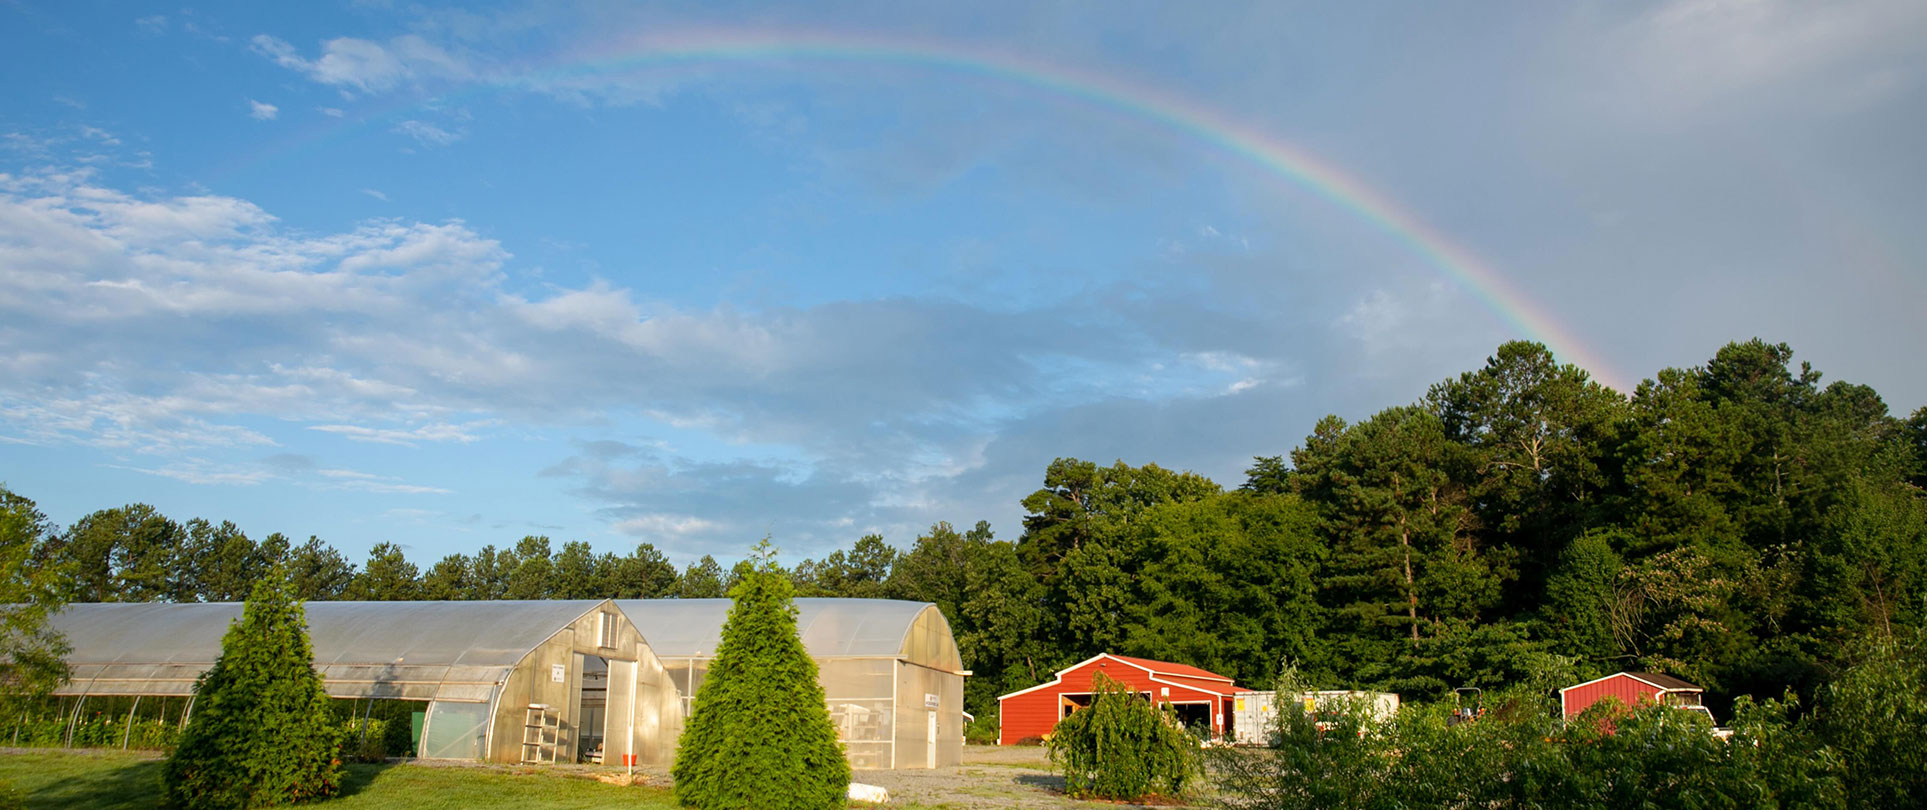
540 732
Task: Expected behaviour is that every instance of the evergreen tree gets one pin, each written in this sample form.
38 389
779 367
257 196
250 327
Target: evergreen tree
703 579
760 735
318 572
388 577
533 576
645 574
262 732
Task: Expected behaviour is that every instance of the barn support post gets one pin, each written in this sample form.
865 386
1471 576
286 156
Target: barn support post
127 735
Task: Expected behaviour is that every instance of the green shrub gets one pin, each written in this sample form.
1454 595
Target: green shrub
262 732
1333 762
371 746
10 797
1651 757
982 730
760 734
1122 747
399 735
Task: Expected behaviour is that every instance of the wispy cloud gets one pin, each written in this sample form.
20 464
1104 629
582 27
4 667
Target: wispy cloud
366 65
203 473
426 134
375 193
262 111
463 433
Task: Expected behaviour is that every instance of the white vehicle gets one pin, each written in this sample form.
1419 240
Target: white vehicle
1719 731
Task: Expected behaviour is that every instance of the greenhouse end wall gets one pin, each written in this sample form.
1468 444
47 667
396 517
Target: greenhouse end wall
891 674
552 675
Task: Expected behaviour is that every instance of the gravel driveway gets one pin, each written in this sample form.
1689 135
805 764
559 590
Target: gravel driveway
991 777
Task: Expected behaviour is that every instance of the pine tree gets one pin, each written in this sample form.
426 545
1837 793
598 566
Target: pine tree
761 735
262 733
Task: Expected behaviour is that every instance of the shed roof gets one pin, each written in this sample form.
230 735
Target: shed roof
414 650
830 628
1664 683
1667 682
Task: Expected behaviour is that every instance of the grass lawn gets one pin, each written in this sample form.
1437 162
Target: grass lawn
116 781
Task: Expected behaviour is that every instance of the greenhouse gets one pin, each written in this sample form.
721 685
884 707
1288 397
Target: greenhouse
890 670
537 681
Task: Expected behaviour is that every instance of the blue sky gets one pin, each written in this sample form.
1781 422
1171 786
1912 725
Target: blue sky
446 276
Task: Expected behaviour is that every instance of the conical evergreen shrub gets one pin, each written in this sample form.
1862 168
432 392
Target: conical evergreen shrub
761 735
261 733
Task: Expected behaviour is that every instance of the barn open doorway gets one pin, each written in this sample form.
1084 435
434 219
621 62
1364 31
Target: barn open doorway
1194 716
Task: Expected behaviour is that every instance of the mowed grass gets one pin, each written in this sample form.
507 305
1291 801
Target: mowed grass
105 780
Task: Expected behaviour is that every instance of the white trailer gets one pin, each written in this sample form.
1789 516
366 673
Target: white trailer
1255 714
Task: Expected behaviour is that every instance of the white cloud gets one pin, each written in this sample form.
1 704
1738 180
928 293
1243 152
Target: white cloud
97 134
375 193
262 111
331 112
366 65
660 524
203 473
157 324
463 433
426 134
154 24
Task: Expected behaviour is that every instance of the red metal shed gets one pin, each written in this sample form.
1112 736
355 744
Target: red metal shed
1632 689
1197 695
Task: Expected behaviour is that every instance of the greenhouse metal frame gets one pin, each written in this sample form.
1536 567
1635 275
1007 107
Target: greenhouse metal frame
489 671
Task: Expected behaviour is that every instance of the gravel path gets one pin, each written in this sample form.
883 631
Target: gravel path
990 778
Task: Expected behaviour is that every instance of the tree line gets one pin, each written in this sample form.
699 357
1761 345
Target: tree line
1737 524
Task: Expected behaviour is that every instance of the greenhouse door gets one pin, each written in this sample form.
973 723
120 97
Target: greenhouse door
931 760
619 725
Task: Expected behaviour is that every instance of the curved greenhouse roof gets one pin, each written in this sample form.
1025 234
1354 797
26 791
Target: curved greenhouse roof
411 650
831 628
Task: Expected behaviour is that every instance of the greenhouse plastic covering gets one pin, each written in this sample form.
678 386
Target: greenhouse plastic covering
886 666
830 628
443 651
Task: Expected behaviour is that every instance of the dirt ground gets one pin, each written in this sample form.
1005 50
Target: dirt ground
990 777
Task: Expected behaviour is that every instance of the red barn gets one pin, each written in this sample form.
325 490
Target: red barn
1199 697
1632 689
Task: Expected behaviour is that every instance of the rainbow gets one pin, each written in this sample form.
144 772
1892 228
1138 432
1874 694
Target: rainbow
697 47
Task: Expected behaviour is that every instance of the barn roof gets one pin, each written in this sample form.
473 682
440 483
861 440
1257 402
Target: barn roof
1168 668
1183 675
830 628
413 650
